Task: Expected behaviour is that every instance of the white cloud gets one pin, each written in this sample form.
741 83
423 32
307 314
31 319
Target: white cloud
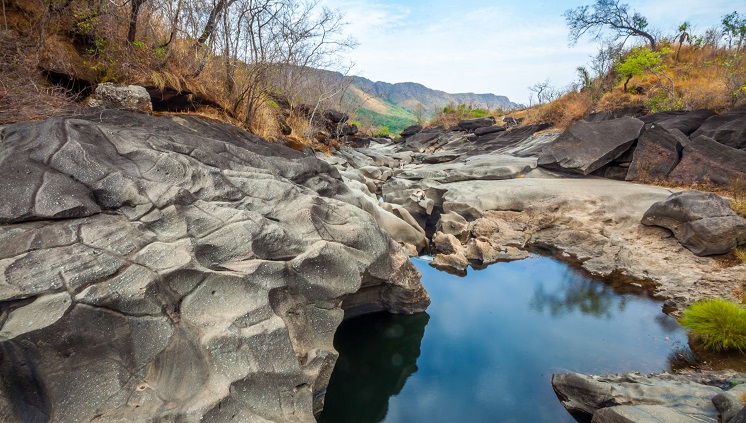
501 49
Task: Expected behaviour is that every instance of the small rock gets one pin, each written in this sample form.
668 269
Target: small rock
727 405
453 224
133 98
445 243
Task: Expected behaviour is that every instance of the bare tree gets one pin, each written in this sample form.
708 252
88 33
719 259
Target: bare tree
607 16
419 114
544 90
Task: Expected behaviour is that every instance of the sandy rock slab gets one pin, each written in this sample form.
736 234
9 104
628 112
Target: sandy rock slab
174 269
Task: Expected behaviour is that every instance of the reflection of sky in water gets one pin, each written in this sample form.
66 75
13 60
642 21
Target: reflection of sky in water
495 337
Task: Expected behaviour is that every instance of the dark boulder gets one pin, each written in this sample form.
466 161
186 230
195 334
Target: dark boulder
657 154
488 130
632 111
410 130
587 146
685 121
728 128
702 222
705 160
335 116
728 406
473 124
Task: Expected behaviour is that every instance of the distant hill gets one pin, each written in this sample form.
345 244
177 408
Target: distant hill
408 94
379 104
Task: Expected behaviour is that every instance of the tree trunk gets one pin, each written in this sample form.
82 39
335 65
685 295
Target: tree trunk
134 12
626 82
212 21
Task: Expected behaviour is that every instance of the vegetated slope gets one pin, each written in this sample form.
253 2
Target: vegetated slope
409 94
379 104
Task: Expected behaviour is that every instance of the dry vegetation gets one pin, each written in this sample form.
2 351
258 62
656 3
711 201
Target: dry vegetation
230 57
683 73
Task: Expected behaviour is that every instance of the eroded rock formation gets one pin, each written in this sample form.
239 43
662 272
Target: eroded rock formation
172 268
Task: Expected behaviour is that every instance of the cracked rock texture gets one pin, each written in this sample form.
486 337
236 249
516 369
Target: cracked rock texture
632 397
179 270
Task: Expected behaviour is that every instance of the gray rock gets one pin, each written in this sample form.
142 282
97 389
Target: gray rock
705 160
740 417
474 124
180 270
687 395
642 414
133 98
453 224
728 128
488 130
685 121
656 155
702 222
728 406
443 157
585 146
483 167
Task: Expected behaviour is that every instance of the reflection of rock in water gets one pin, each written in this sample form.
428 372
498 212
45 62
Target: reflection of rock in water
377 353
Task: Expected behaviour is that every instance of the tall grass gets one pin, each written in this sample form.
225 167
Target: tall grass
719 324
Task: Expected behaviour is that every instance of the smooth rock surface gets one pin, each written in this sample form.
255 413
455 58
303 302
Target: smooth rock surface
680 394
705 160
728 128
702 222
657 154
180 270
685 121
587 146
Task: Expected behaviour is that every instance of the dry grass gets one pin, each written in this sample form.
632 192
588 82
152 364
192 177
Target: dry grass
618 99
563 112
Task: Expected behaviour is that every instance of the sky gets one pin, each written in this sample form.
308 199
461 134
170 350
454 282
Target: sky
500 47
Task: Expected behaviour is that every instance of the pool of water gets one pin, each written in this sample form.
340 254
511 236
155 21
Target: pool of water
486 349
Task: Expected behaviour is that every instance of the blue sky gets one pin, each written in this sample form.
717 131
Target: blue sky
496 46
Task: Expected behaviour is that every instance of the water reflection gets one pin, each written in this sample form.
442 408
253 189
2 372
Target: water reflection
377 353
575 293
493 340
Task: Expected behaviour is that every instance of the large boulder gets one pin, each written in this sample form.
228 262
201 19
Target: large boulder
702 222
133 98
685 121
728 128
587 146
657 154
410 130
173 269
476 123
704 160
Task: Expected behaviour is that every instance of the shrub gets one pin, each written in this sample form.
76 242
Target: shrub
718 323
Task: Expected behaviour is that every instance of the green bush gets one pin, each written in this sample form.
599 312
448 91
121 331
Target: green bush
383 132
719 324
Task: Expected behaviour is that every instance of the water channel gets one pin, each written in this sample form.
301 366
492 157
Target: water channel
487 346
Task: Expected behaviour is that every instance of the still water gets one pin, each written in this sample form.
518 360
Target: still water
486 349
